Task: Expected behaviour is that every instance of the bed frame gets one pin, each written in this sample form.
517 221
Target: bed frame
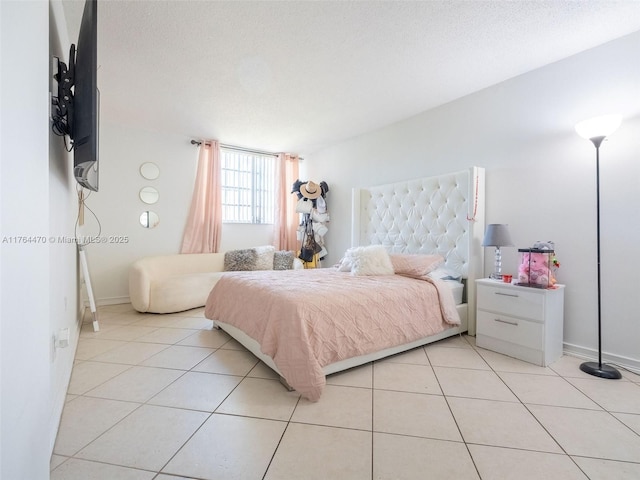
442 214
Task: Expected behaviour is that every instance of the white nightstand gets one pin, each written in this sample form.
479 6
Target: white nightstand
522 322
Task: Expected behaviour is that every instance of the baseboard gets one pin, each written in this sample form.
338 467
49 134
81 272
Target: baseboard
108 301
592 355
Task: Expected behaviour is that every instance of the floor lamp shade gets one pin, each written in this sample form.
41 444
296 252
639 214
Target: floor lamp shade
497 235
602 126
597 129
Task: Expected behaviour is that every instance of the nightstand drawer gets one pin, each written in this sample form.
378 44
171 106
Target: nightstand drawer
519 302
510 329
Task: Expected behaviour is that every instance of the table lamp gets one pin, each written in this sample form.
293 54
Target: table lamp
497 235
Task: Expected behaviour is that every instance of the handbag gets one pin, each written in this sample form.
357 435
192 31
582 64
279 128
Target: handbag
304 206
309 245
316 216
306 254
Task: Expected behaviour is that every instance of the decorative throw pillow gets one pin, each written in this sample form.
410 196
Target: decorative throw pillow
283 260
370 260
415 265
264 257
239 260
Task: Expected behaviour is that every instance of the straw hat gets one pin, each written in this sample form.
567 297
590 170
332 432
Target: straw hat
311 190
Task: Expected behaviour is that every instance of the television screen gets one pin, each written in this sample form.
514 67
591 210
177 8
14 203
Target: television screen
86 100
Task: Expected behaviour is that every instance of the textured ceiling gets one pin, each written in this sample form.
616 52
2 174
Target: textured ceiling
300 75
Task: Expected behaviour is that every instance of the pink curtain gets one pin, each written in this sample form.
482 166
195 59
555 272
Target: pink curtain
286 223
204 225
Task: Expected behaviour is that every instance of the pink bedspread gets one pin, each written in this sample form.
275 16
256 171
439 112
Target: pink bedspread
306 319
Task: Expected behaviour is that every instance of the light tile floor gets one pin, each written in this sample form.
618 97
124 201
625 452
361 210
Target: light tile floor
168 397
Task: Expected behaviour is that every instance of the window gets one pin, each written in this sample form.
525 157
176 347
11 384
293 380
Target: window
248 186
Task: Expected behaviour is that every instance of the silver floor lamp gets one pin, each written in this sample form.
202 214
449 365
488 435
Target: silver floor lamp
597 129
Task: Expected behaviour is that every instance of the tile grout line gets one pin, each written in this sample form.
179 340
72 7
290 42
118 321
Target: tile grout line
446 399
211 414
140 404
373 413
564 452
606 410
289 421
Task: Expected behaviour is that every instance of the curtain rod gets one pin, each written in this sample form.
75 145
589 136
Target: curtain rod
241 149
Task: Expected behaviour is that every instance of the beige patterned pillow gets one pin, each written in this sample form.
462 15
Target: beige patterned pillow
283 260
240 260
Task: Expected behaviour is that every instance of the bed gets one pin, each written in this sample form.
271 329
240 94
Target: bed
342 318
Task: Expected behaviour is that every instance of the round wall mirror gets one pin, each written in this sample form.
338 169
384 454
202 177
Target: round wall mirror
149 219
149 170
149 195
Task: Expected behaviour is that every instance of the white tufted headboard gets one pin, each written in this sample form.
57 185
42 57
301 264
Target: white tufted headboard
442 214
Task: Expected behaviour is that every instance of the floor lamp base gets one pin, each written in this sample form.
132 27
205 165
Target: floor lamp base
600 370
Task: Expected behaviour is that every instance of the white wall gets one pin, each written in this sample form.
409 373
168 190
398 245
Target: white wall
64 306
118 206
39 278
25 349
540 178
27 392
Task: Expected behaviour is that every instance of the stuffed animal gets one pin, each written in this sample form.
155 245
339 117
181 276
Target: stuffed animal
534 269
544 245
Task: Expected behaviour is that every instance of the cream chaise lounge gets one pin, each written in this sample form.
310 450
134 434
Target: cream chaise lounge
174 283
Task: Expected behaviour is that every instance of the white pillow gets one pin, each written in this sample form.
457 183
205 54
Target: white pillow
444 273
370 260
346 263
264 258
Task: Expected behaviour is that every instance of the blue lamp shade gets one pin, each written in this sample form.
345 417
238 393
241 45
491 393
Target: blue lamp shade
497 235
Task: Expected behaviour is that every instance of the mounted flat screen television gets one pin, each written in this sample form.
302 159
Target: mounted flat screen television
77 107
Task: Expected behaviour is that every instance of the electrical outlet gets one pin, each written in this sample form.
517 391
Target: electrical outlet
62 338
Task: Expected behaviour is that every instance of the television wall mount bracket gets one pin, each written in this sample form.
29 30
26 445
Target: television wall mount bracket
63 103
